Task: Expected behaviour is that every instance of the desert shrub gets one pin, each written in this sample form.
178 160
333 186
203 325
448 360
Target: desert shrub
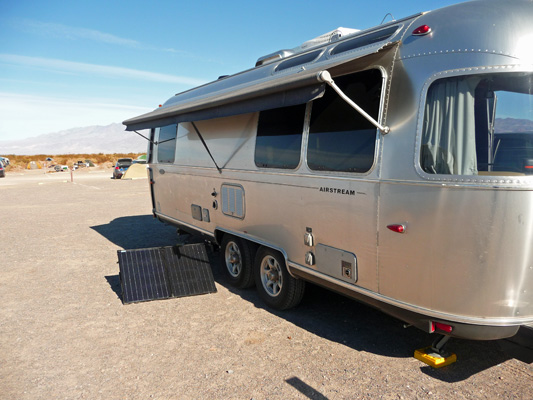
104 160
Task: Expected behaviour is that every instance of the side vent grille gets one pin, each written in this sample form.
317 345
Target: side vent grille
233 200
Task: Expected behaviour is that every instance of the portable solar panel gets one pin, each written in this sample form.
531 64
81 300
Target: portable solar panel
164 272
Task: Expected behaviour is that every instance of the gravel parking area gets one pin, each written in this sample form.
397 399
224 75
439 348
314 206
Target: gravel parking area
65 334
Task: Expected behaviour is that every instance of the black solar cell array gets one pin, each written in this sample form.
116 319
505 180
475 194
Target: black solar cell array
164 272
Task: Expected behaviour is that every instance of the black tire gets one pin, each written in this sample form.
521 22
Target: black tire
237 263
275 285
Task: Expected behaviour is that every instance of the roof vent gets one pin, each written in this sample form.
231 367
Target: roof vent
326 38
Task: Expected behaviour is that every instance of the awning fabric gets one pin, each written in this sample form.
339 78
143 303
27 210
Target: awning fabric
255 98
268 102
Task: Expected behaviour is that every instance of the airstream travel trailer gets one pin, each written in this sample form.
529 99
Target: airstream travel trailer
393 165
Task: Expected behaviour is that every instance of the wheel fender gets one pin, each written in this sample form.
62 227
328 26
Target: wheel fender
219 232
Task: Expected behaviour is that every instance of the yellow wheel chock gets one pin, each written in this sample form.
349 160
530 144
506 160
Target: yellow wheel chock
435 355
430 357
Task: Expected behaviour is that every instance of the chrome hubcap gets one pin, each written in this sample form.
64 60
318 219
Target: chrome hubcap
233 259
271 276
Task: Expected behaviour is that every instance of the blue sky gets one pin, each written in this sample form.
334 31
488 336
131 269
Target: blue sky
80 63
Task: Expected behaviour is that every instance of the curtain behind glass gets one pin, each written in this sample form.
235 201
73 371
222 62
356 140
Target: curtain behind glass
448 140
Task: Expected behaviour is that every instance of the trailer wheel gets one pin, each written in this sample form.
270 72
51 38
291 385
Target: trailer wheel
275 285
237 262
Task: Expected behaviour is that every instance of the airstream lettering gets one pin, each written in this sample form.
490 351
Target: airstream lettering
393 165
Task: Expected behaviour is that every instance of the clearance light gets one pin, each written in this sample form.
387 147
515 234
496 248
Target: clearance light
398 228
442 327
422 30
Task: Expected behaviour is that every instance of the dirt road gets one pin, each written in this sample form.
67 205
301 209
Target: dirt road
65 334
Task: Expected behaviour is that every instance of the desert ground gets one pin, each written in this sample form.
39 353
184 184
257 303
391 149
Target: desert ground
65 333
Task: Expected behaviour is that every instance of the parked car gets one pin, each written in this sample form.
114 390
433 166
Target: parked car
61 168
121 167
4 161
79 164
2 170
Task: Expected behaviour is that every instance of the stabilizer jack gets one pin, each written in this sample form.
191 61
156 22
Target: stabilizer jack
436 355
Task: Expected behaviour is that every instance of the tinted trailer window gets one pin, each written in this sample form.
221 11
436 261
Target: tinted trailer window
166 143
341 139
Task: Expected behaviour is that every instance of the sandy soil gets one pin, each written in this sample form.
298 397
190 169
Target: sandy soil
65 334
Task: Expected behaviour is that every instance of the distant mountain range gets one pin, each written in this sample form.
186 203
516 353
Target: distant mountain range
502 125
87 140
114 139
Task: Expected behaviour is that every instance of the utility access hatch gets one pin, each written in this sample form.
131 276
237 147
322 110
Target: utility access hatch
164 272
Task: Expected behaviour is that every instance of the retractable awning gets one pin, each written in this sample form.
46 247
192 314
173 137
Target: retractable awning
241 93
233 101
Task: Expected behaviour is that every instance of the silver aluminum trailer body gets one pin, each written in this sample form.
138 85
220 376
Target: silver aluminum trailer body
431 222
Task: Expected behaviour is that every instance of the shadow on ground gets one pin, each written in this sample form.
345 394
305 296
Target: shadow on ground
362 328
137 232
329 315
114 283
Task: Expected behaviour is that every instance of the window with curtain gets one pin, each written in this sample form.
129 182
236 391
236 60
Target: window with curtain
479 125
448 140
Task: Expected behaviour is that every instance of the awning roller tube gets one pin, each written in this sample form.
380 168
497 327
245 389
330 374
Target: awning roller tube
255 98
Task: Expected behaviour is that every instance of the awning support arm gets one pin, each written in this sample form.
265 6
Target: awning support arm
141 135
205 145
324 76
151 141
